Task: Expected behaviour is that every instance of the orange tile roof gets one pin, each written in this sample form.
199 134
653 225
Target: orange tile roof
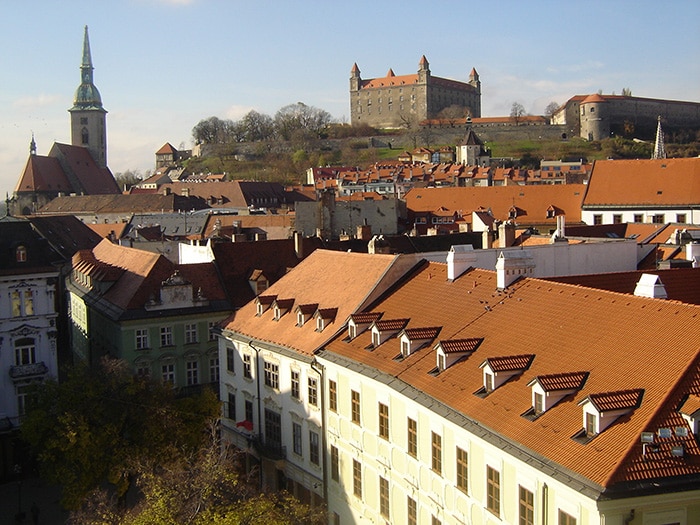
563 381
315 280
619 338
422 333
308 309
620 400
452 346
390 325
509 362
691 405
534 200
644 183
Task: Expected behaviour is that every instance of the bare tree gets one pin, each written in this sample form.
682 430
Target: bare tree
517 112
551 109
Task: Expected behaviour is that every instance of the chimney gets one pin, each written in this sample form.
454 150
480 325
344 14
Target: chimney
487 239
650 285
511 265
459 259
299 244
506 234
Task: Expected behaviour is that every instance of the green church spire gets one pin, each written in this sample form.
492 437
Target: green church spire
87 96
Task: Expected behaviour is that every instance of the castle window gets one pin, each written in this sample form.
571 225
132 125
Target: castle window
85 137
592 110
83 120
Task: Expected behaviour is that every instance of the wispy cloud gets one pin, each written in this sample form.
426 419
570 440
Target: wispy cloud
238 112
36 101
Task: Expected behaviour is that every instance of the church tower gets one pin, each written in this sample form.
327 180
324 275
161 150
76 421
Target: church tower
88 117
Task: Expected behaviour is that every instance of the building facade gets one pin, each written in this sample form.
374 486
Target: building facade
400 101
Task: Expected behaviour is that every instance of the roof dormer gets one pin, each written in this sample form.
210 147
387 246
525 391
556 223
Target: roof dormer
650 285
548 390
385 329
359 322
452 350
263 303
281 307
690 410
324 316
305 312
413 339
498 370
601 410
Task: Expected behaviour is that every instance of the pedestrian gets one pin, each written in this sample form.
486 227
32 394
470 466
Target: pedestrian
35 513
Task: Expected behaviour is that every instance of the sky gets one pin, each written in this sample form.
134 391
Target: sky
161 66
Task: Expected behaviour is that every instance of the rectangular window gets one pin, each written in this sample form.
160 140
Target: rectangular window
214 369
566 519
376 339
462 470
526 507
295 384
249 410
658 218
333 395
638 217
493 490
191 333
210 326
313 447
412 446
168 373
680 218
273 428
192 373
25 352
355 406
539 403
246 366
411 511
296 438
383 421
141 338
384 497
597 218
313 391
357 478
590 423
229 359
617 218
335 464
144 371
436 448
272 378
166 336
231 406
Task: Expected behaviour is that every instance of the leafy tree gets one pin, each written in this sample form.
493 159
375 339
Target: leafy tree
626 92
257 126
200 488
299 116
96 425
551 109
213 131
517 112
129 178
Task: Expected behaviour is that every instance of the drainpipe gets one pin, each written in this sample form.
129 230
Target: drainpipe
320 370
257 384
545 497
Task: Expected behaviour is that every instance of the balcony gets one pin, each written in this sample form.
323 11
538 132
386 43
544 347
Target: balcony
30 370
271 449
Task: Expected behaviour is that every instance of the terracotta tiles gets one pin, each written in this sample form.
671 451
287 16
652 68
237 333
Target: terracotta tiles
327 313
620 400
366 317
390 325
460 345
308 309
509 363
417 334
626 343
691 405
565 381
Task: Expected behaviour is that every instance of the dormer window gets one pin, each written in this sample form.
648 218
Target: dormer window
603 409
498 370
305 312
21 253
413 339
384 329
359 322
690 410
281 307
452 350
324 316
548 390
263 303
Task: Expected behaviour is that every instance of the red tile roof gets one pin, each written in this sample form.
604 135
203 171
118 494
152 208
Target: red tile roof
365 317
619 400
564 381
453 346
509 363
390 325
428 333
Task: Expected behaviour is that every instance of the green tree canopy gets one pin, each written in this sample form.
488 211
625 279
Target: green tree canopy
96 425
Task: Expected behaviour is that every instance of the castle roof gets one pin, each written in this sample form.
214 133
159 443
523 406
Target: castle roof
166 149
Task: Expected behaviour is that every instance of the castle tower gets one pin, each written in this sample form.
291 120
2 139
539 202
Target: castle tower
88 117
355 78
475 100
423 70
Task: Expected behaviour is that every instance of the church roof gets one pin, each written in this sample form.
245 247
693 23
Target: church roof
79 166
43 174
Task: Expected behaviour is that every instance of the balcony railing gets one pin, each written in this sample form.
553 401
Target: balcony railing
271 449
33 369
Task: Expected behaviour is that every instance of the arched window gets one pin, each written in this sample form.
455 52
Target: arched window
84 135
